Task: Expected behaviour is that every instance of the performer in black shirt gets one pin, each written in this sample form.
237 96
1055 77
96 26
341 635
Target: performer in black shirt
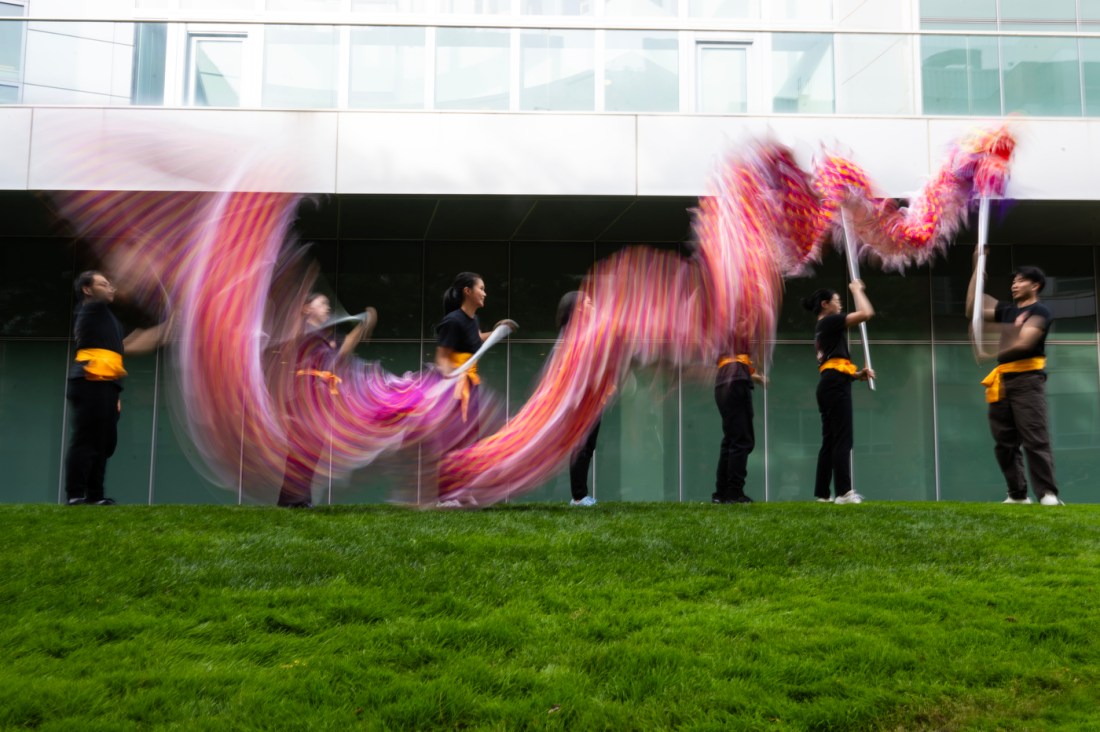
458 337
733 387
95 387
1016 388
834 390
581 460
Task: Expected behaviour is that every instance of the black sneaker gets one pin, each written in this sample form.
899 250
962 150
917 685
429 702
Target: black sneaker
104 502
76 501
296 504
740 499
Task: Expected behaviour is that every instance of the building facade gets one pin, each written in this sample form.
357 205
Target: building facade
525 140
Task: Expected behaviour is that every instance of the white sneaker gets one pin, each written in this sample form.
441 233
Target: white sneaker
452 503
586 501
1051 499
1021 501
824 500
851 497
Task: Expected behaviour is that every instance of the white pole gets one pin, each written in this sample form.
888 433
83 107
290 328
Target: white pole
853 272
979 273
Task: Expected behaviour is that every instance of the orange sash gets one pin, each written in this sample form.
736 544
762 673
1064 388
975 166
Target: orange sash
465 382
101 364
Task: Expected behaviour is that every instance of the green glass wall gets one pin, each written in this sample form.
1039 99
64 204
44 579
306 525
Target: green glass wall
922 435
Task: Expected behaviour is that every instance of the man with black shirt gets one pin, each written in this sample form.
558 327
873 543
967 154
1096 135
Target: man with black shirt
1016 389
95 387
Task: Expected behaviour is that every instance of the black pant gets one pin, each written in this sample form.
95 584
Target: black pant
834 401
1020 419
734 400
578 466
94 406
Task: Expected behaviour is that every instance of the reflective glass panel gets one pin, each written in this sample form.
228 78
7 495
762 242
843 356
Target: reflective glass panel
1089 14
387 68
32 396
150 51
640 7
1041 16
557 7
958 14
11 43
642 72
875 74
1090 69
723 78
474 6
217 5
637 458
1041 76
960 75
725 8
802 73
390 6
9 94
216 72
306 6
557 70
1070 290
300 67
804 11
471 68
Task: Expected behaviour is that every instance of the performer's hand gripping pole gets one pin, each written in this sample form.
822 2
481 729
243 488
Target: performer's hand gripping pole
853 272
979 273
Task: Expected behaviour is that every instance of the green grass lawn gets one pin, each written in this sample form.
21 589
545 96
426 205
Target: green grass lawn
893 616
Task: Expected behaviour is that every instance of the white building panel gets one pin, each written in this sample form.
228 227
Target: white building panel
15 131
197 150
677 154
486 154
68 62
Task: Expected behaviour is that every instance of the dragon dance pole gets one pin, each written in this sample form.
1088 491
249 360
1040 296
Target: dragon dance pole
979 272
853 272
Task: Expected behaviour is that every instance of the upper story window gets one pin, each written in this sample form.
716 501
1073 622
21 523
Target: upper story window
11 52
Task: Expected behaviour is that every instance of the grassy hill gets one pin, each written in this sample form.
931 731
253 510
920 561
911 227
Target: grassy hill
628 616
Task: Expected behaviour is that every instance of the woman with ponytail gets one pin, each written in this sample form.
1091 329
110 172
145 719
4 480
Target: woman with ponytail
458 337
834 390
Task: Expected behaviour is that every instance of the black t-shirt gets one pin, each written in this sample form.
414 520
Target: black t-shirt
96 327
831 338
1036 315
458 331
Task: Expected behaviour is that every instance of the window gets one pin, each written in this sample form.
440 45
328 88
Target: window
214 79
387 68
11 53
1041 76
557 70
150 48
960 75
725 8
802 73
471 68
300 67
722 76
640 7
642 72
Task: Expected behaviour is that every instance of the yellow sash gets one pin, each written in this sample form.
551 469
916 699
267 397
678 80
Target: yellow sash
741 358
464 382
101 364
994 384
330 378
842 365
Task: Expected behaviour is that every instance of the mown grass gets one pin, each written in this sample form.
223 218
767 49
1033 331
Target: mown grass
782 616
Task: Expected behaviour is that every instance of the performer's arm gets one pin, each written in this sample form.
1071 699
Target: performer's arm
507 321
1025 342
145 340
864 311
359 334
443 359
989 304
